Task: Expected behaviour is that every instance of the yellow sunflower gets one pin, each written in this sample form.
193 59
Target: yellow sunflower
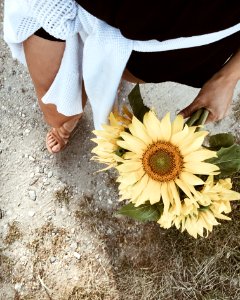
210 204
106 140
162 158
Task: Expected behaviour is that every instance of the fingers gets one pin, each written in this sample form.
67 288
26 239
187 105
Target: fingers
190 109
217 111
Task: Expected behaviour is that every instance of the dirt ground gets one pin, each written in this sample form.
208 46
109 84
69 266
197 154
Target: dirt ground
60 238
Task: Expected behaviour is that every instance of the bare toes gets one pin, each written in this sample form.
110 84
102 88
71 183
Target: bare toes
56 148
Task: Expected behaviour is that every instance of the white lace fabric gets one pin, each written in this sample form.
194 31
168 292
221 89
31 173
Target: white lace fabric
95 51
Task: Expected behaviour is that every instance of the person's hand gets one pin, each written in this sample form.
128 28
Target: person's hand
216 96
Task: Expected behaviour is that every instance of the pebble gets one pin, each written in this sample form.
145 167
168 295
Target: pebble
50 174
53 259
39 169
27 131
74 245
77 255
73 230
31 213
31 158
32 195
18 286
109 201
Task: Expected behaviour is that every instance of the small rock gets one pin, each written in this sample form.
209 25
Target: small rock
109 231
41 170
109 201
31 213
18 286
50 174
32 195
27 131
53 259
74 245
31 158
77 255
73 230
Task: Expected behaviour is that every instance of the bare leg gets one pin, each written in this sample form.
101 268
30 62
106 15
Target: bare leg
130 77
43 59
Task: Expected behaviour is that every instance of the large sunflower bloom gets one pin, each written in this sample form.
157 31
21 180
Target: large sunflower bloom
163 157
210 204
107 149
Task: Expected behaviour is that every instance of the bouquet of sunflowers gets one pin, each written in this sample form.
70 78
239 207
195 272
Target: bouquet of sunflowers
165 171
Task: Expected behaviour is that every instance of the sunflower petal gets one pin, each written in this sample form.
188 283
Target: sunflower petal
139 130
193 144
129 166
201 168
178 137
200 155
183 187
176 197
130 139
152 125
177 124
138 188
166 127
165 197
130 147
131 177
154 190
191 178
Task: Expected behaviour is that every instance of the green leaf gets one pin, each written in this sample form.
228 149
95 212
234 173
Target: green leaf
145 212
136 102
228 160
217 141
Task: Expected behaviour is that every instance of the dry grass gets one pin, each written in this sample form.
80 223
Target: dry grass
149 263
63 196
14 234
6 265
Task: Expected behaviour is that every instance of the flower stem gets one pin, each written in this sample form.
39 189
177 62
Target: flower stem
194 117
202 119
198 118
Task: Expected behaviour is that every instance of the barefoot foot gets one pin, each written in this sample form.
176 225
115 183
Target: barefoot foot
57 138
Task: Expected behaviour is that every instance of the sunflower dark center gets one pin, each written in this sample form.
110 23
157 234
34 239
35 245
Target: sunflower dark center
162 161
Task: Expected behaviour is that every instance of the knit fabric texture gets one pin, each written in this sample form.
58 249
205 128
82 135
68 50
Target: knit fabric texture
95 51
